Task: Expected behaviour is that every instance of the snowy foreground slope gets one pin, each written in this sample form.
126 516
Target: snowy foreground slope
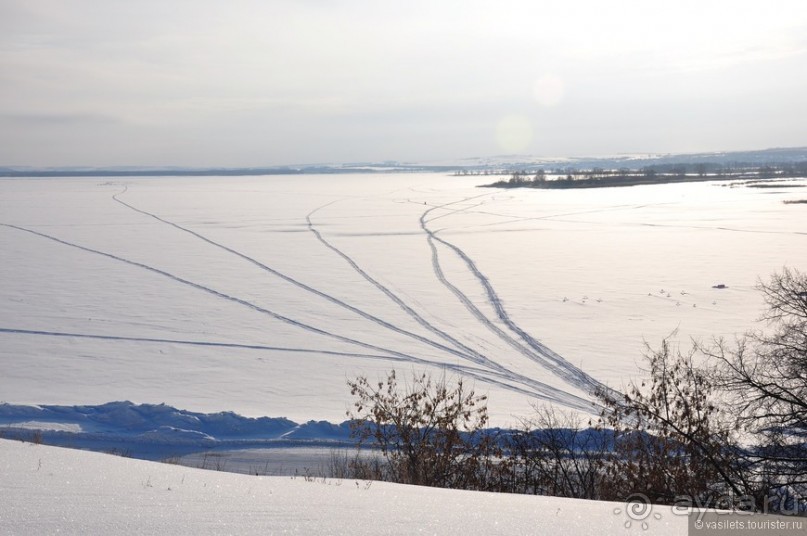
45 490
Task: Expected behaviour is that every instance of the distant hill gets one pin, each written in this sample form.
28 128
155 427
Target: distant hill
474 165
759 158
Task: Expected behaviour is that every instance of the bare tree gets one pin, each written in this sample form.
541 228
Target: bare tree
764 377
670 437
430 432
723 424
554 454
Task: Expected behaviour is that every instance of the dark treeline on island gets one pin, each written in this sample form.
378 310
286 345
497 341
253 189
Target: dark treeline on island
559 178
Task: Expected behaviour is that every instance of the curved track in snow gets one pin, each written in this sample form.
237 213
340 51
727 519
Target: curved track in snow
470 354
534 349
505 380
464 352
336 301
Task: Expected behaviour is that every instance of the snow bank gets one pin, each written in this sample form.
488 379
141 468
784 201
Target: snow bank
157 431
45 490
126 417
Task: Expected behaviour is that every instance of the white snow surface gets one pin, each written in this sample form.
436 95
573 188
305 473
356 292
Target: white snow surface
50 490
262 295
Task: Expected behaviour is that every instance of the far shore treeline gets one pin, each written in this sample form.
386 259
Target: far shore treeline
655 174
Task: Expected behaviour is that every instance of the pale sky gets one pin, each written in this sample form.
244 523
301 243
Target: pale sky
273 82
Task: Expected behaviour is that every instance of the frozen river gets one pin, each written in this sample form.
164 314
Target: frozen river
262 295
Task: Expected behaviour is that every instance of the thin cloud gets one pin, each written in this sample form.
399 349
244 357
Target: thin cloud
57 119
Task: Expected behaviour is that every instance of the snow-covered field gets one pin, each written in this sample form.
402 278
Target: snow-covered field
262 295
49 490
